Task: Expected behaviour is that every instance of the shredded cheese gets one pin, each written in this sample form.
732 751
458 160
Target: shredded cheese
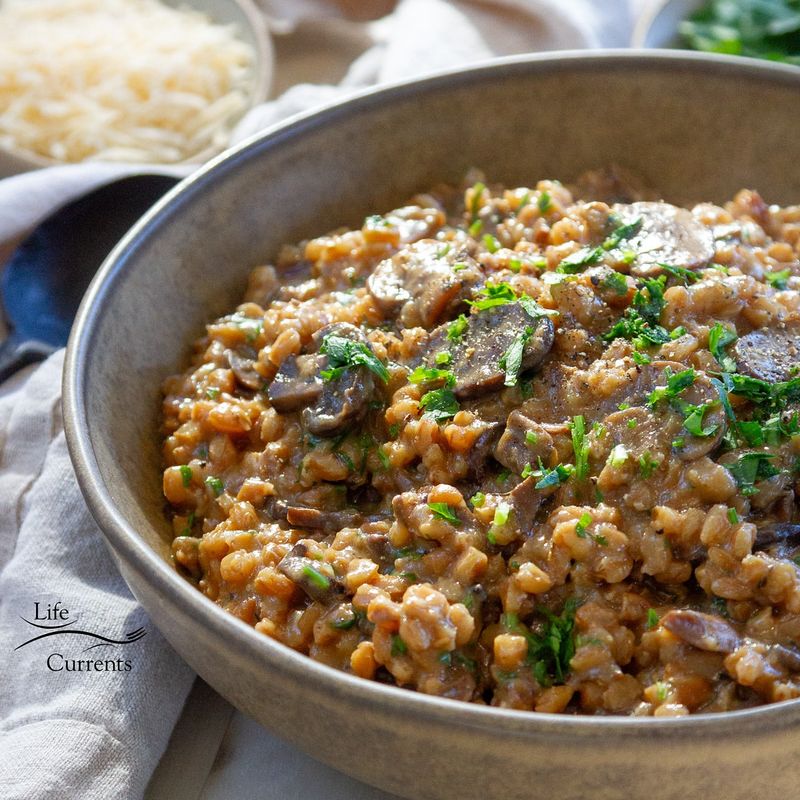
118 80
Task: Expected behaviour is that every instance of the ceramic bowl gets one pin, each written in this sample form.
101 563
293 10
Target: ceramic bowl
698 128
250 26
658 25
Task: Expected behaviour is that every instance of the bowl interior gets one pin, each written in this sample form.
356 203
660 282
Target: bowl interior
695 129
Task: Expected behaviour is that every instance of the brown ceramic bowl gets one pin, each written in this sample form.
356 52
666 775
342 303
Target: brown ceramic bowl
697 127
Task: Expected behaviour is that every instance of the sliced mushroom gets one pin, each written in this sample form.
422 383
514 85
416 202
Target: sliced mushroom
703 631
328 406
244 370
769 354
297 384
668 235
526 499
523 442
489 334
788 657
481 450
777 533
426 282
580 306
305 572
327 521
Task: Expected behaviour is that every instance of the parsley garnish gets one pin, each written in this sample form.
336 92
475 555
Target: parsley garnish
718 337
439 404
477 195
618 456
186 475
582 524
345 354
622 233
750 468
399 647
694 420
580 447
544 203
647 464
478 499
617 282
681 274
652 618
431 375
445 512
733 516
317 578
676 383
511 360
552 477
442 359
777 280
552 647
493 294
641 323
491 243
215 484
457 328
578 261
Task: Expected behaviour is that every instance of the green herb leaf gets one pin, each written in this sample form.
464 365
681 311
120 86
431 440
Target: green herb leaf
578 261
616 282
316 577
492 295
694 420
584 521
477 196
215 484
491 243
445 512
647 464
681 274
618 456
186 475
399 647
652 619
431 375
676 383
733 516
553 477
478 499
580 447
750 468
622 233
346 354
719 337
457 328
439 404
511 360
442 359
778 280
545 202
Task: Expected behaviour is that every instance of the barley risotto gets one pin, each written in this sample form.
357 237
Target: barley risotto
535 448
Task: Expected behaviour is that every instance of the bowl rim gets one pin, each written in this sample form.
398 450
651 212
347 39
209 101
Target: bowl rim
24 160
138 557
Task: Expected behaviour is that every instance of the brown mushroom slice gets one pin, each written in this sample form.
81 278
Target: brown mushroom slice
482 449
777 533
297 384
243 369
703 631
489 334
668 235
526 499
327 521
788 657
426 282
305 572
523 442
769 354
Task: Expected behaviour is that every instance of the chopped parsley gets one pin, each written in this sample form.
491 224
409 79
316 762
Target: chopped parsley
317 578
750 468
580 447
551 648
399 647
345 354
442 359
552 477
531 437
491 243
215 484
444 511
457 328
212 393
652 619
584 521
622 233
618 456
382 457
778 280
186 475
733 516
693 422
394 430
676 383
478 499
511 360
681 274
439 404
647 464
578 261
477 196
640 322
616 282
719 337
431 375
545 202
493 294
475 228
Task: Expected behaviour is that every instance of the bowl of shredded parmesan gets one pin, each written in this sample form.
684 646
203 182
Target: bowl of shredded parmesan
133 81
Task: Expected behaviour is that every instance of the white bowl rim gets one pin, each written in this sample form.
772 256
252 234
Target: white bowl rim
140 558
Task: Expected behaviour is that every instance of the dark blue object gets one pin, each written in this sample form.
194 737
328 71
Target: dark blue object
47 275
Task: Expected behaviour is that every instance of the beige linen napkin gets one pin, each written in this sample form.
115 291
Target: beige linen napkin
99 734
